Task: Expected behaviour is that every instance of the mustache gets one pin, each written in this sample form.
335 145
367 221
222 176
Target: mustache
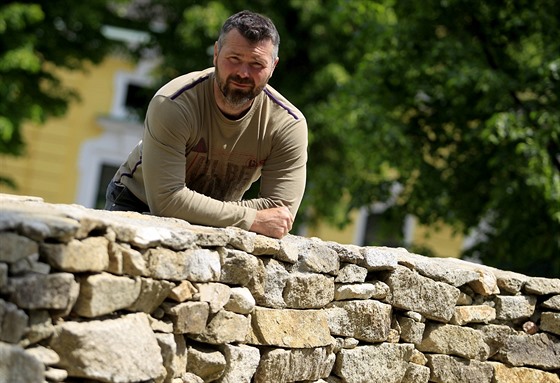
240 80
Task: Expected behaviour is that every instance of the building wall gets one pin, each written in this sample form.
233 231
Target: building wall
49 169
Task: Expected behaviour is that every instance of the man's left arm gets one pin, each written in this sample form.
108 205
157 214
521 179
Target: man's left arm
284 174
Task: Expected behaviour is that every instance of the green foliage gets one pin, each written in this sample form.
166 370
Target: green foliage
455 101
36 38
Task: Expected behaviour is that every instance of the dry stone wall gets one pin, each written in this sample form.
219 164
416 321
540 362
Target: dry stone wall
96 296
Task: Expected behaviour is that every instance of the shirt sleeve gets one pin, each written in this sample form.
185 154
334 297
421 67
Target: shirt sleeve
167 133
284 174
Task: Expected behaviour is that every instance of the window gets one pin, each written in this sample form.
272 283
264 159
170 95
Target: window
105 176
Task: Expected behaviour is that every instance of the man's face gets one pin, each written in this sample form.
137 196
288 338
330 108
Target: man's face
242 68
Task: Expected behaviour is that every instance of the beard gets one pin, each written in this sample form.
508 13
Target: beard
236 97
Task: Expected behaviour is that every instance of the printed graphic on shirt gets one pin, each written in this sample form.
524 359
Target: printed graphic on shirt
224 176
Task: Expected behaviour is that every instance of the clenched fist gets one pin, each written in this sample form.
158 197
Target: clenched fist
275 222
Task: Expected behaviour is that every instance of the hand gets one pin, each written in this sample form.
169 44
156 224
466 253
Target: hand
275 222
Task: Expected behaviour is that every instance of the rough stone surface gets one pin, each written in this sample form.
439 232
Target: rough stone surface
90 295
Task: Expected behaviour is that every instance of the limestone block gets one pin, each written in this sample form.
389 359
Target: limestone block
47 356
416 374
15 247
411 330
418 358
454 340
542 286
104 293
550 322
314 255
152 294
133 263
495 336
13 322
279 365
38 223
486 284
517 307
207 363
174 354
380 363
188 317
238 267
380 257
242 239
241 363
447 368
506 374
241 301
510 282
39 327
350 273
12 358
375 290
264 245
210 236
200 265
540 350
289 328
366 320
55 374
450 271
473 314
183 291
216 294
90 254
189 377
113 350
225 327
268 285
347 253
411 291
552 303
308 291
36 291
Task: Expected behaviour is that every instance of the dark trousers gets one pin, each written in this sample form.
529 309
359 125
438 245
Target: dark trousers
119 198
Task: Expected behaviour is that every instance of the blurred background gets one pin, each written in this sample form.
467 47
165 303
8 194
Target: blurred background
434 125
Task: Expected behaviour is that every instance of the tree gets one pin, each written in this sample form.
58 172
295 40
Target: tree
36 40
457 102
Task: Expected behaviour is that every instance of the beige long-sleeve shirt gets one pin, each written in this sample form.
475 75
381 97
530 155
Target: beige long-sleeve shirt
195 164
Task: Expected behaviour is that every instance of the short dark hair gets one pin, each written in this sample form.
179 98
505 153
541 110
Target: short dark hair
254 27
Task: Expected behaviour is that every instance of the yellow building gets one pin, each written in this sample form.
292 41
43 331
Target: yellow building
71 159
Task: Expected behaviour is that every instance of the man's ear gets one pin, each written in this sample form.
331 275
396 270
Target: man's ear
274 64
216 50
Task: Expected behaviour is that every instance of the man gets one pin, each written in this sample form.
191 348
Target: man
210 134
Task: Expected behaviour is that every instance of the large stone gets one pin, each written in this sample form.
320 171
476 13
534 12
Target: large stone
383 363
207 363
200 265
473 314
152 294
518 307
550 322
375 290
13 322
411 291
539 350
174 353
105 293
225 327
91 254
351 273
308 291
241 301
542 286
268 285
56 291
282 366
289 328
380 257
114 350
12 359
366 320
238 267
506 374
450 271
15 247
241 363
216 294
446 369
314 255
454 340
188 317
